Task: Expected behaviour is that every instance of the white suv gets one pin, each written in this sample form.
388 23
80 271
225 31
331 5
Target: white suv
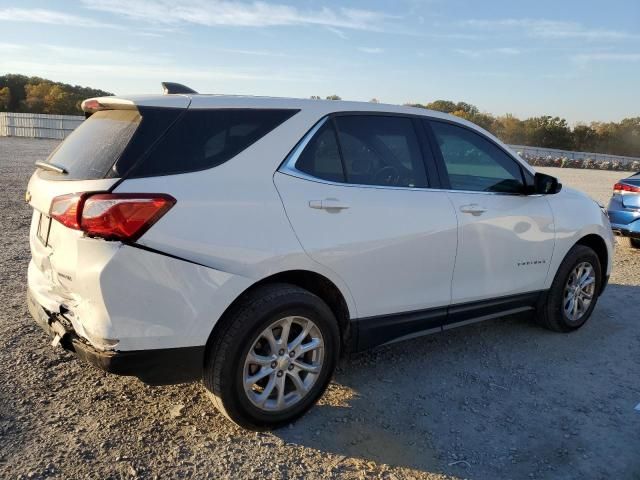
249 241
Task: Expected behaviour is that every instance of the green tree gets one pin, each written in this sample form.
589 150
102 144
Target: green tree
548 132
55 97
628 136
333 97
484 120
585 138
511 130
622 138
5 99
445 106
35 95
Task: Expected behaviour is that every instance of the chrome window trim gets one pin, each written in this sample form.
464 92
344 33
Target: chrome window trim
288 167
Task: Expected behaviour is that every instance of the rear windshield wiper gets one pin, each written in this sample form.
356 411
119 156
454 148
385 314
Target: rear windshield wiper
51 167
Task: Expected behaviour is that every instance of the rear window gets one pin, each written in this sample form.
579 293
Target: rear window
92 149
155 141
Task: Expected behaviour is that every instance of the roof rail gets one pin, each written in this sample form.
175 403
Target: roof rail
172 87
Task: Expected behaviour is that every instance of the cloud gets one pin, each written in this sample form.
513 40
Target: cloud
255 53
150 34
6 47
49 17
65 53
155 72
69 61
371 50
479 53
585 58
339 33
550 29
240 14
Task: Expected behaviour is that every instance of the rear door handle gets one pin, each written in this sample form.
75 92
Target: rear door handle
473 209
328 204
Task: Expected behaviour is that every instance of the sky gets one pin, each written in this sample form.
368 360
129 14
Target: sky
577 59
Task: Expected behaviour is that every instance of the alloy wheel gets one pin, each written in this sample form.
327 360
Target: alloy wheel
283 363
579 291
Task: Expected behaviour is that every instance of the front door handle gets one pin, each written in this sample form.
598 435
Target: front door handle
328 204
473 209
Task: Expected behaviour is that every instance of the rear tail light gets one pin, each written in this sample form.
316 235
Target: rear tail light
66 210
624 187
112 216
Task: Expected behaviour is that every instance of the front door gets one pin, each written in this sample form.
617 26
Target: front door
505 238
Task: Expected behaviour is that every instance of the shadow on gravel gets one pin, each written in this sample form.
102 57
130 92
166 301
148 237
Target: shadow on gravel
481 399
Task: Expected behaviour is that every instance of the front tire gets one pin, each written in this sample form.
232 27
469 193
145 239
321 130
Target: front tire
574 291
273 356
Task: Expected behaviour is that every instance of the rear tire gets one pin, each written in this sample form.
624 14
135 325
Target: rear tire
574 291
260 380
633 242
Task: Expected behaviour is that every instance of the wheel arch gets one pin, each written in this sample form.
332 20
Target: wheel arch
598 245
314 282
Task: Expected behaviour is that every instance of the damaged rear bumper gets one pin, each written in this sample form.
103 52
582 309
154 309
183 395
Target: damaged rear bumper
164 366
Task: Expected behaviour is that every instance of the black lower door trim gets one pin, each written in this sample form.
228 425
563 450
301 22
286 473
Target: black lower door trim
374 331
370 332
485 309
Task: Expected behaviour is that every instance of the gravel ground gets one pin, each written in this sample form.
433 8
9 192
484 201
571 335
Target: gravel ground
502 399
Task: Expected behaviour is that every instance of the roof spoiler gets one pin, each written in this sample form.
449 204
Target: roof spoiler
92 105
171 87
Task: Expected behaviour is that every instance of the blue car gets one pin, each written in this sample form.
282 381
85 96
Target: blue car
624 209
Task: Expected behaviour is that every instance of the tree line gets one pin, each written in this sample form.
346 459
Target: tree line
613 138
19 93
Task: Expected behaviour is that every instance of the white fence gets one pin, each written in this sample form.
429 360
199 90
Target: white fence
37 125
552 152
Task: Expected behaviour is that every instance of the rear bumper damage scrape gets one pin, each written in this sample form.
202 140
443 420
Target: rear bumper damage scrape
124 298
164 366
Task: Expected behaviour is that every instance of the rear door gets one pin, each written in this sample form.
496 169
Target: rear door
358 197
505 238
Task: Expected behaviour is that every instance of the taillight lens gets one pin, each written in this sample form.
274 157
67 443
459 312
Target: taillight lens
624 187
112 216
66 210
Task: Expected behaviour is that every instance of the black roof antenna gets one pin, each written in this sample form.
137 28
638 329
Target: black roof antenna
172 87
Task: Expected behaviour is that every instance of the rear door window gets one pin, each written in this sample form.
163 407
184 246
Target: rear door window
203 139
381 150
366 150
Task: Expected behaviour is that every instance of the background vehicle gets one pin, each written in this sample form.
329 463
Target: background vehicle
248 241
624 209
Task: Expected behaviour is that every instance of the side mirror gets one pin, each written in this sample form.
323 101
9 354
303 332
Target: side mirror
545 184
